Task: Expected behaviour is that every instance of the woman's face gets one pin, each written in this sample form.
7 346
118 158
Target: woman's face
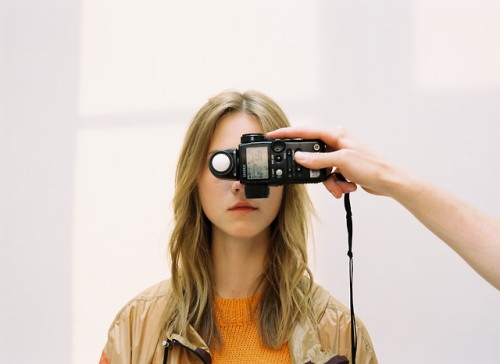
223 201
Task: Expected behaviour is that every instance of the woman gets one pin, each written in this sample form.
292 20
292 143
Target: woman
241 290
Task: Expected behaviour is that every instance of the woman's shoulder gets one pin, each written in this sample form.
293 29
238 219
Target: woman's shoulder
136 326
325 303
155 292
147 300
334 326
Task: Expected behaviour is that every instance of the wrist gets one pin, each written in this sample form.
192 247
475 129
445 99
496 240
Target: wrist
401 185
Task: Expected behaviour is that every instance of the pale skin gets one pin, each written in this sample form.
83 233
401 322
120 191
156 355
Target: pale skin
240 227
474 235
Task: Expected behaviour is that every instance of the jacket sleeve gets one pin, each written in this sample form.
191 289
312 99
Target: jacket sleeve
335 334
118 348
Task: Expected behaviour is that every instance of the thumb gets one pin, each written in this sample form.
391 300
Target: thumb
316 160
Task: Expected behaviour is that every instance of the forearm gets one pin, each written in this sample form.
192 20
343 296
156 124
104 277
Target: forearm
474 235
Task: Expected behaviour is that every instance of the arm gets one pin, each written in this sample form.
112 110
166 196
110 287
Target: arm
474 235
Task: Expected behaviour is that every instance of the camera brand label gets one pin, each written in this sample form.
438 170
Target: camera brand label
314 173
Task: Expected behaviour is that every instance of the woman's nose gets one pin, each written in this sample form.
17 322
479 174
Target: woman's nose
237 187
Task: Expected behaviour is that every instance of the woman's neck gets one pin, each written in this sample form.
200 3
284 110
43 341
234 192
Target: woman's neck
238 263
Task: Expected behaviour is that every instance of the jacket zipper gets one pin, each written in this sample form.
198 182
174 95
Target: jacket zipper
166 344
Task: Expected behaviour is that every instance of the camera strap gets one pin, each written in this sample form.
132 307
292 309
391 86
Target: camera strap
354 343
348 216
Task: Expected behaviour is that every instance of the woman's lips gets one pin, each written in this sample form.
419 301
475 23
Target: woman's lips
242 208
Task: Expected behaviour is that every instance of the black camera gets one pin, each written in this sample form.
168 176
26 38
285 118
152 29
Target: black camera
260 162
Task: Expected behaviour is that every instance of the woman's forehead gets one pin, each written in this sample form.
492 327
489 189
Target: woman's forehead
231 127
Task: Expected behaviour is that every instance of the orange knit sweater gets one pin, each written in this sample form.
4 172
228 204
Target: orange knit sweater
241 341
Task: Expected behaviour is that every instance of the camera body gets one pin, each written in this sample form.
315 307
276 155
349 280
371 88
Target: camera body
260 162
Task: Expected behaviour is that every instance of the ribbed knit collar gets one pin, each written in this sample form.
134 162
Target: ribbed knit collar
236 311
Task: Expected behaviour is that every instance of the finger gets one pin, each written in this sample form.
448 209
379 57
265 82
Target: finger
347 187
333 187
330 137
317 160
338 188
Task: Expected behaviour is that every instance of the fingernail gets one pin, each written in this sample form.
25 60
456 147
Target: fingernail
300 157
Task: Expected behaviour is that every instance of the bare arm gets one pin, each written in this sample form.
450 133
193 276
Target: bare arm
474 235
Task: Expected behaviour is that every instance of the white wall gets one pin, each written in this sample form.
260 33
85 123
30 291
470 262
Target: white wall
95 99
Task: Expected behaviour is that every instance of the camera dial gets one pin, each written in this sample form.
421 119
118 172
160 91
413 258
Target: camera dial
252 138
278 145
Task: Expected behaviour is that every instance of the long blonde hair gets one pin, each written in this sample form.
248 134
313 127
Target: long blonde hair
287 280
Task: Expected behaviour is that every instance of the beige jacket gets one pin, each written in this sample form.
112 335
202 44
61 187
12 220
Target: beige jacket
131 337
